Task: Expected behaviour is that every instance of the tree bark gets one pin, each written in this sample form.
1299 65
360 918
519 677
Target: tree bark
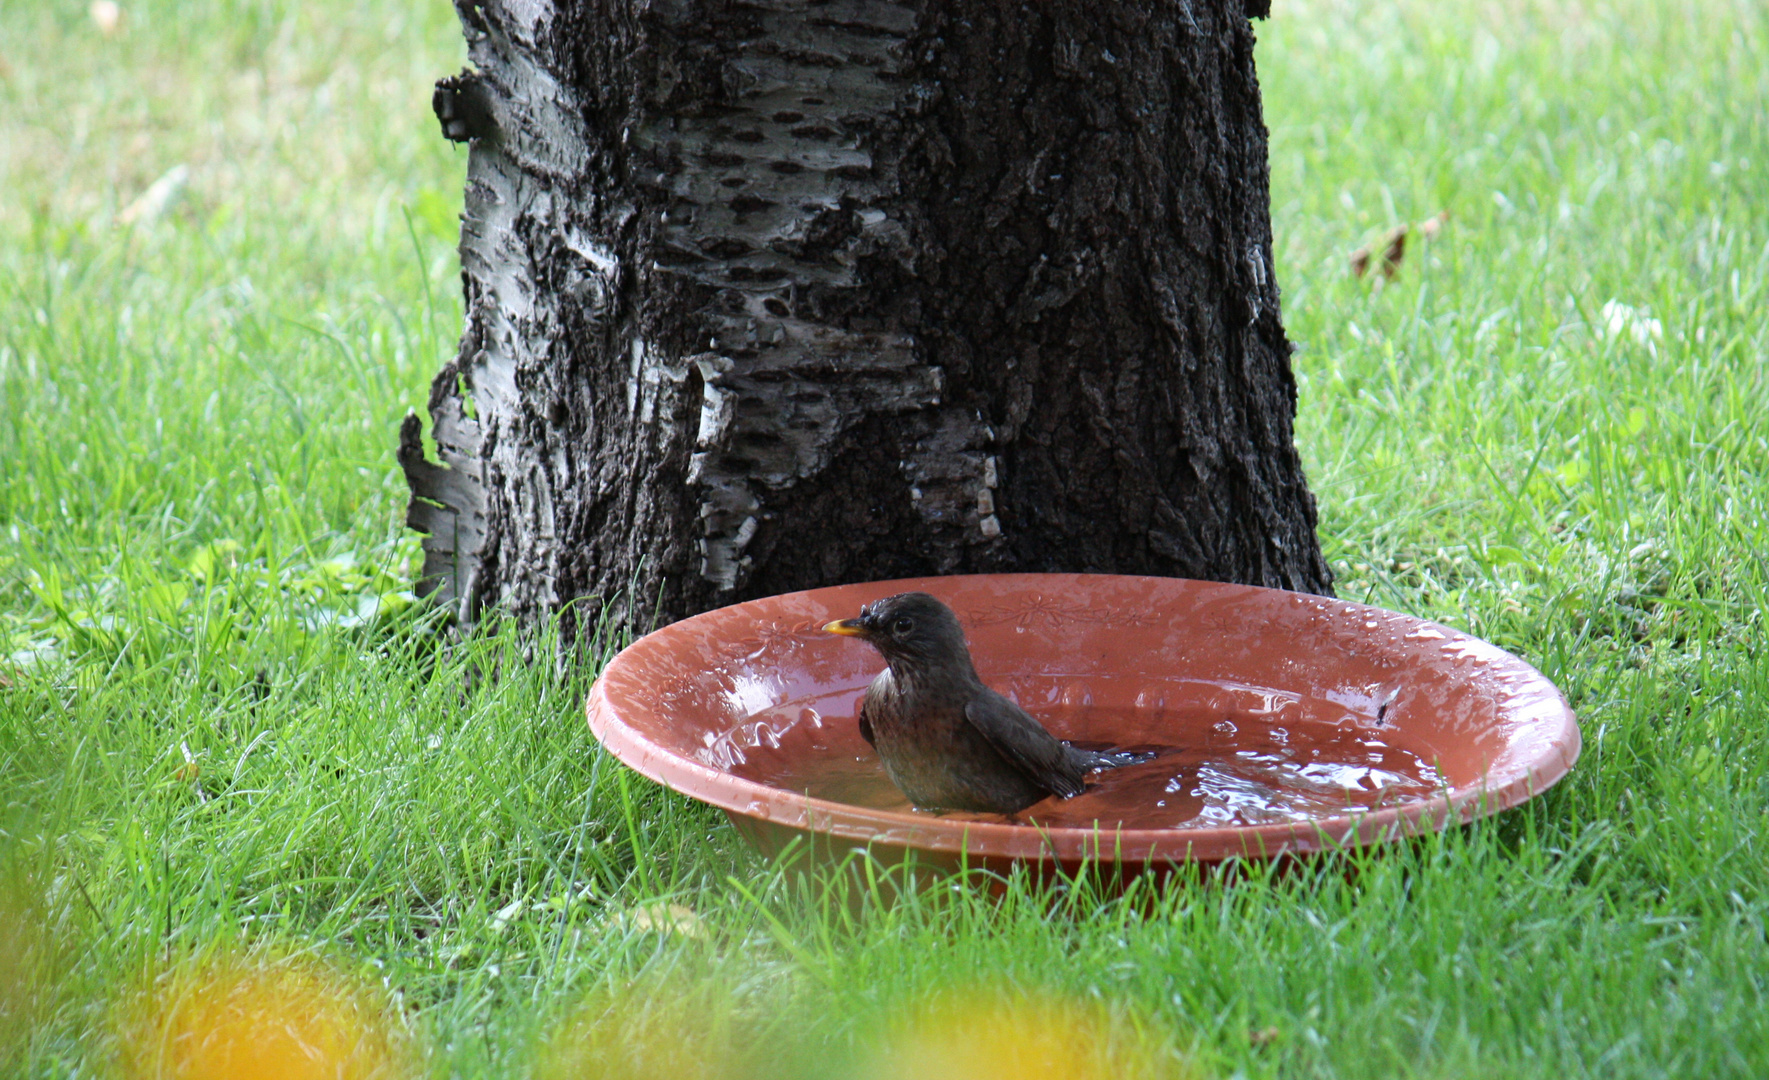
764 295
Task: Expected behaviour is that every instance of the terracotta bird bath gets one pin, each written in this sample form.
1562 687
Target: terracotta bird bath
1282 723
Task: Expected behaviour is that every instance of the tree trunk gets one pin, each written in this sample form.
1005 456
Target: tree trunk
764 295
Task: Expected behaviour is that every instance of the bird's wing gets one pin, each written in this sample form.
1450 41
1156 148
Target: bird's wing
865 724
1024 743
877 702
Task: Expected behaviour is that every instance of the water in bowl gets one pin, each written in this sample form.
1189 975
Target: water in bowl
1209 770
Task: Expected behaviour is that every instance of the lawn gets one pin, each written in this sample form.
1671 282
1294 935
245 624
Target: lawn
233 754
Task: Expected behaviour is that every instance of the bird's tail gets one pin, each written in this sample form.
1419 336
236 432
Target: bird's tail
1092 760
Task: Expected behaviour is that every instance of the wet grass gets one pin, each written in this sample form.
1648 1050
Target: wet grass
225 730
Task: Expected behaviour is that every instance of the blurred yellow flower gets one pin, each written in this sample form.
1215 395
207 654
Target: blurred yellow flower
242 1017
648 1030
995 1035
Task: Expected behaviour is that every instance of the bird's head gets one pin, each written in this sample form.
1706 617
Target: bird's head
911 628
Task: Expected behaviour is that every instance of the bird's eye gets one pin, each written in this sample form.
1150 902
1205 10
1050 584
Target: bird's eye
902 626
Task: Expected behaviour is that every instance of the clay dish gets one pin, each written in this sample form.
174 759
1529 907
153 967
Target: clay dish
1286 723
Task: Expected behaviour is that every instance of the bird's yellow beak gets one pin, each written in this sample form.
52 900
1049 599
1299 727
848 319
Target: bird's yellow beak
845 627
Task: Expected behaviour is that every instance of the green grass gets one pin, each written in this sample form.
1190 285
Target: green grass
201 553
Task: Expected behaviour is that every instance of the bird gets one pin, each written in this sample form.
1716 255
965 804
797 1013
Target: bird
946 740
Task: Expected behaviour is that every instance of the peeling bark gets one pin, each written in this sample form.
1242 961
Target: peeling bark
770 294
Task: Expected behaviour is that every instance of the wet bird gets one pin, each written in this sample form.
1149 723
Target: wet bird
946 740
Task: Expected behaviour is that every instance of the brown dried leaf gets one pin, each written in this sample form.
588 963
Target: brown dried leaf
1395 251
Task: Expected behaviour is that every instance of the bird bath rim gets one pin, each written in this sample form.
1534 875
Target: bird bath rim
654 684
